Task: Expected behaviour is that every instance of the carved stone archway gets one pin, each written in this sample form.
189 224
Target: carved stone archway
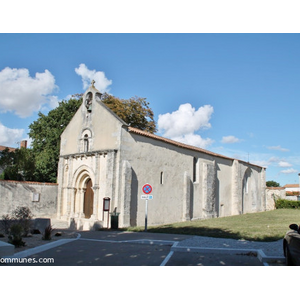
83 202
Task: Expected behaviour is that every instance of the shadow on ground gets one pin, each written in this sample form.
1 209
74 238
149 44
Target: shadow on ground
209 232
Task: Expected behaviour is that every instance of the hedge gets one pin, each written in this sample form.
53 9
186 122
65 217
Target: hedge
282 203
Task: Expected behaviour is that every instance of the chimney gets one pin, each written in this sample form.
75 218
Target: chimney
23 144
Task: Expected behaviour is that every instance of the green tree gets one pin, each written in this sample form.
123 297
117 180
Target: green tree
134 111
6 161
272 183
45 134
18 164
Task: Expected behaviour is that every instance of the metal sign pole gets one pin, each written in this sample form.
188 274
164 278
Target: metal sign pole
147 189
146 215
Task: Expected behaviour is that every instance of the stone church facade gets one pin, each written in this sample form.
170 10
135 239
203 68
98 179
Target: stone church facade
102 157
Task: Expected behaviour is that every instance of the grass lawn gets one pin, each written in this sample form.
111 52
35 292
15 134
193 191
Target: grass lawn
263 226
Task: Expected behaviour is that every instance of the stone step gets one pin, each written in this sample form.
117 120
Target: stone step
59 224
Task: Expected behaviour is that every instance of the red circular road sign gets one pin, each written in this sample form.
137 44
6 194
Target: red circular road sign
147 189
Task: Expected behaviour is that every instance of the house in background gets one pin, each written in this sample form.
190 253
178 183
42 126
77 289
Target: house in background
292 189
2 148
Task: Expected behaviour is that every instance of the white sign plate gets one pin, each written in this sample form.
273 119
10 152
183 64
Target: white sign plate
147 197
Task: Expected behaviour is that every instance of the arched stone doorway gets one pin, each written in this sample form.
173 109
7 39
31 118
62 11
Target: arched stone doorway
83 206
88 199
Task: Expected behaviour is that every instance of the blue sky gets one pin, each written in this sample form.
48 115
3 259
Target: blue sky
234 94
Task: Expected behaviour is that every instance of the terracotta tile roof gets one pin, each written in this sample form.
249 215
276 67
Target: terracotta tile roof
4 147
178 144
291 186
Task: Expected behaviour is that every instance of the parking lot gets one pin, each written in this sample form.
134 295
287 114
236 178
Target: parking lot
130 249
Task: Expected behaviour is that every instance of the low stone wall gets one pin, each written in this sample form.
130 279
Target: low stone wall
41 198
292 198
273 193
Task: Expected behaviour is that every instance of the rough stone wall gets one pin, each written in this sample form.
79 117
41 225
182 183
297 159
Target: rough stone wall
272 194
209 190
41 198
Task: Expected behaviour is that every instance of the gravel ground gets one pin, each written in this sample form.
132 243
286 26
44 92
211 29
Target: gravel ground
269 248
36 240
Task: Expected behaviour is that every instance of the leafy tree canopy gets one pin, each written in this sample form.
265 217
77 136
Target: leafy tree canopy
134 111
17 165
45 134
272 183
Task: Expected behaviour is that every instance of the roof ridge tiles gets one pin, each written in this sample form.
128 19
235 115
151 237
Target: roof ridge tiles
182 145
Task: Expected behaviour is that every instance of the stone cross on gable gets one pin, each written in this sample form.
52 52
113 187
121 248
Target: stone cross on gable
93 82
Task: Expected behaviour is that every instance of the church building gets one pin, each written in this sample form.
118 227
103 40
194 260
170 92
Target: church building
106 166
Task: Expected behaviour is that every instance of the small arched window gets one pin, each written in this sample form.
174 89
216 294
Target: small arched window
161 177
195 173
86 143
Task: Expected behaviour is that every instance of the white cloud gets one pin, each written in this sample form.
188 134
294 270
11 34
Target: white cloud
9 137
284 164
289 171
53 102
278 148
182 124
230 139
101 82
23 94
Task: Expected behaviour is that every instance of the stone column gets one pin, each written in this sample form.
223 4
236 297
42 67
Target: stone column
235 187
126 178
81 203
60 186
209 189
96 188
109 175
186 215
263 190
70 171
95 202
72 196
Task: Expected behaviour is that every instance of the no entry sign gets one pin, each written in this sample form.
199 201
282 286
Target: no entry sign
147 189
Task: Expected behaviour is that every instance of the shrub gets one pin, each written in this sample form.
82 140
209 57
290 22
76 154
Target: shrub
5 223
47 233
15 235
283 203
23 215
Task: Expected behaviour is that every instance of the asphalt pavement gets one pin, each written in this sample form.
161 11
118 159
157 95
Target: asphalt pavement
119 248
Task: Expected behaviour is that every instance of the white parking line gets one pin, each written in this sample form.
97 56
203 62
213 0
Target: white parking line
174 248
42 248
165 261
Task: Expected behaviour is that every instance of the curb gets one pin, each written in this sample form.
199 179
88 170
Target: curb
258 252
42 248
